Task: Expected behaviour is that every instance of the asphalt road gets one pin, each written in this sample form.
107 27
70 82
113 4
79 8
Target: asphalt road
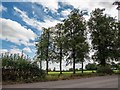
93 82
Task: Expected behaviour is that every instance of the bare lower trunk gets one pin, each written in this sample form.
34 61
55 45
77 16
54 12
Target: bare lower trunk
73 61
82 66
60 66
61 59
40 64
47 66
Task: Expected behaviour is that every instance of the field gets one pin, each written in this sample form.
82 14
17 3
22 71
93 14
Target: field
70 72
77 72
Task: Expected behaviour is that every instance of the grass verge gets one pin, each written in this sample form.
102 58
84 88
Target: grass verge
54 76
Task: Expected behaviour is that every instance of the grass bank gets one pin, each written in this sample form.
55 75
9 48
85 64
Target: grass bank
54 76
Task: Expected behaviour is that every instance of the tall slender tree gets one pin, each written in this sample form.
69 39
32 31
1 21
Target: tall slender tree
46 36
103 33
116 48
75 28
40 51
43 47
59 43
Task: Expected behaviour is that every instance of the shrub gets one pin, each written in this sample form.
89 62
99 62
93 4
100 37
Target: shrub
70 69
118 71
52 77
104 70
91 66
20 69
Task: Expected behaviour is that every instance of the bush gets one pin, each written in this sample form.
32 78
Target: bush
52 77
91 66
70 69
118 71
20 69
16 74
104 70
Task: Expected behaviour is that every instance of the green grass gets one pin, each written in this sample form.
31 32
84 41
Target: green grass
88 71
53 76
116 71
70 72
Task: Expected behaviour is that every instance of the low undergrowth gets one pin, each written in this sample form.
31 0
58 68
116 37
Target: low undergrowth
56 77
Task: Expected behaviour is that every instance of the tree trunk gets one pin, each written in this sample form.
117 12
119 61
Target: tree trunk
73 56
61 59
82 66
60 66
47 56
40 65
47 60
103 63
101 56
47 66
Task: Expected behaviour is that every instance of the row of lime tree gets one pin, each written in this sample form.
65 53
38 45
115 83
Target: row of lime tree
74 39
69 41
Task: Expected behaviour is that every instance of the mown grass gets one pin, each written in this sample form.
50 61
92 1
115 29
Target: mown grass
77 72
68 76
88 71
116 71
53 76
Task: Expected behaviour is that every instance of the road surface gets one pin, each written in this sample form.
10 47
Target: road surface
93 82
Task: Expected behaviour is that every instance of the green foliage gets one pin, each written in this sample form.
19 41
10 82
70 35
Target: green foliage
59 44
103 35
114 66
90 66
69 39
45 47
70 69
19 69
104 70
75 33
116 51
